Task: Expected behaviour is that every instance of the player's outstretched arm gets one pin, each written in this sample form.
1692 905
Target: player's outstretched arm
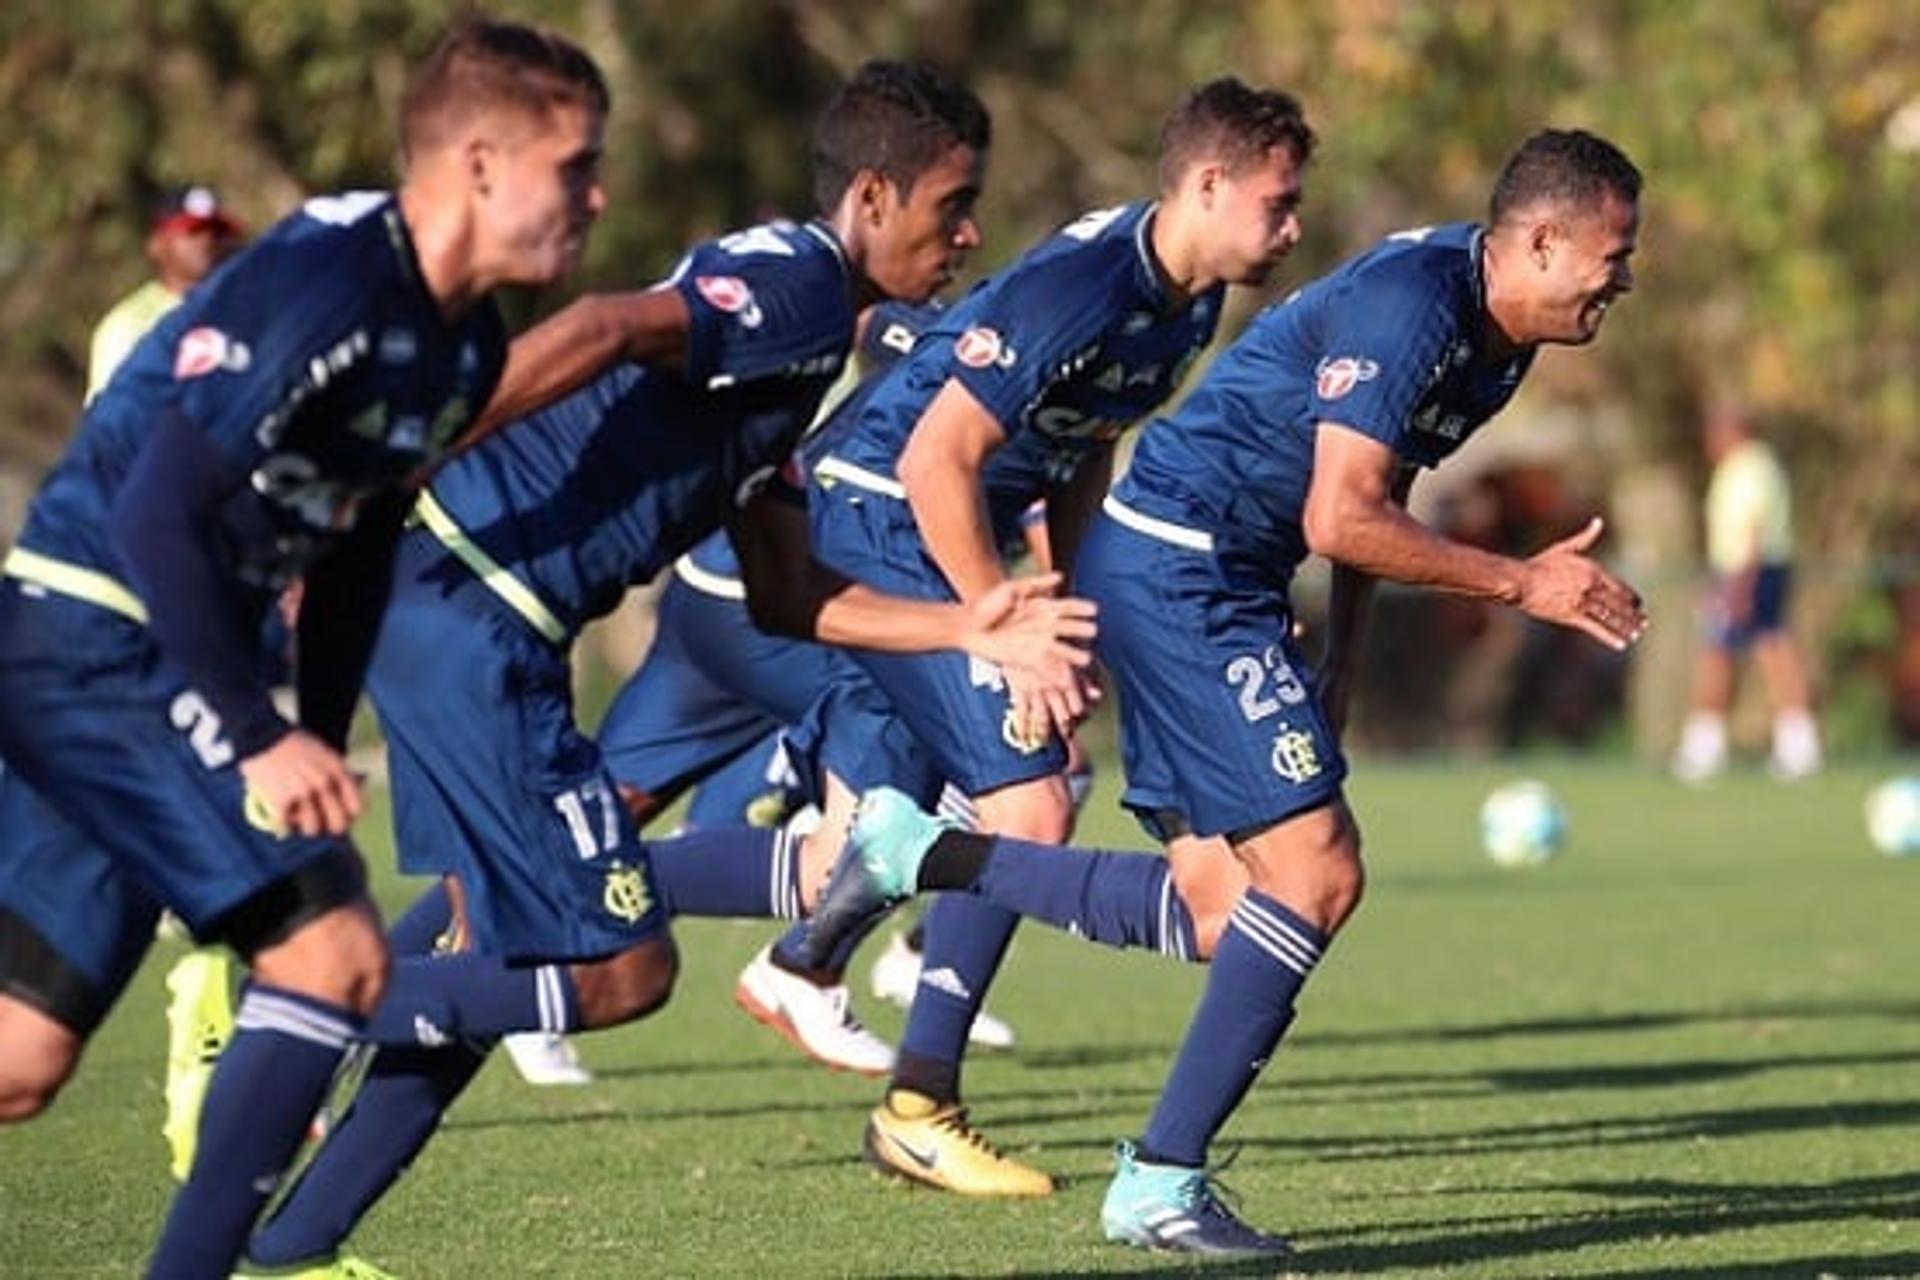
1351 518
162 524
1020 624
940 470
1349 608
579 342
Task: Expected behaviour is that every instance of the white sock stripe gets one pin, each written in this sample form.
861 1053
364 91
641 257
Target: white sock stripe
546 995
1267 917
1277 947
290 1019
1260 927
1171 943
264 1007
786 889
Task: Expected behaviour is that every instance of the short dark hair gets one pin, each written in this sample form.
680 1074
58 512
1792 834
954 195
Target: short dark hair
896 119
480 63
1566 166
1230 121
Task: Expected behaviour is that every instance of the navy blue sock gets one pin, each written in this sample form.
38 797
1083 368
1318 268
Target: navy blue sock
966 939
741 872
433 1000
1264 958
1118 899
790 951
418 932
400 1104
272 1076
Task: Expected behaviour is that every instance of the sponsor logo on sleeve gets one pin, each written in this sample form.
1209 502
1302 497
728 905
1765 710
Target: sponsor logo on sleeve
732 295
205 350
980 347
1334 376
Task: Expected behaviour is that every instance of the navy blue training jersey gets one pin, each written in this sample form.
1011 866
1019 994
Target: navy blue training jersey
1389 344
604 488
1066 348
890 330
319 369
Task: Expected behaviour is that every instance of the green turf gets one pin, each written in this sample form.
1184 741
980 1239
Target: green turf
1687 1048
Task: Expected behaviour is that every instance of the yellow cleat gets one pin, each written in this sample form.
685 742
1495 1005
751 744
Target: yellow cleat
344 1267
199 1024
913 1137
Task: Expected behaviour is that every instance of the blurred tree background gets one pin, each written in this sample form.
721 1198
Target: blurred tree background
1781 141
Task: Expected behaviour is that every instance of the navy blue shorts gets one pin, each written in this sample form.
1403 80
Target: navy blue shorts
492 777
712 688
1218 720
1772 587
121 794
955 705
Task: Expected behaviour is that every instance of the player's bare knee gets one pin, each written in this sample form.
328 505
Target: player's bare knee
339 957
40 1058
626 986
1040 810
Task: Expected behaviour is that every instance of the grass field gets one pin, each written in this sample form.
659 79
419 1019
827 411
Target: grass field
1687 1048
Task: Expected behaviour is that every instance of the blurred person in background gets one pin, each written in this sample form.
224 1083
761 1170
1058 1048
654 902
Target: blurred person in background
1750 554
191 234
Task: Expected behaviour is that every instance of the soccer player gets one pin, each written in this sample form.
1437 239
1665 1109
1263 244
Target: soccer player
1021 393
262 431
1750 550
707 709
1304 437
191 233
543 526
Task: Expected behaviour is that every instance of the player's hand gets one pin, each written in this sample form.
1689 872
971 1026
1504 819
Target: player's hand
1564 585
302 786
1021 626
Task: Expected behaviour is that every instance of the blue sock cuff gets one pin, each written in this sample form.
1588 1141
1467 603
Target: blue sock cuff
557 999
265 1008
1173 922
1284 936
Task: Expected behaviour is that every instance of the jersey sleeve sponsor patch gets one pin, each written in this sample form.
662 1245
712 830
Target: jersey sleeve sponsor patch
204 350
981 347
1335 376
732 295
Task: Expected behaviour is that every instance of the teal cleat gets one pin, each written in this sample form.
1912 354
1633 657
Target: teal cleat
879 868
1177 1210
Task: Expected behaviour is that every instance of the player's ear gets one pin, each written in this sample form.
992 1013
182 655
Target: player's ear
1207 179
1543 234
873 195
481 160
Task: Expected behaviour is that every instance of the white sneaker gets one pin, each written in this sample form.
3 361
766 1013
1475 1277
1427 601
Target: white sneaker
990 1032
896 976
546 1057
818 1021
896 973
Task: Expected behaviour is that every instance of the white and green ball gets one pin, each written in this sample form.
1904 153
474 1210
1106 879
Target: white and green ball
1522 824
1893 817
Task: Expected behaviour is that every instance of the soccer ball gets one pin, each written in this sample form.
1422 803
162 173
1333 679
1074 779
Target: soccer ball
1522 824
1893 817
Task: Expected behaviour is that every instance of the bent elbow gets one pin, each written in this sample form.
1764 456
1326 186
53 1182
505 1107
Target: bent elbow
1321 525
779 616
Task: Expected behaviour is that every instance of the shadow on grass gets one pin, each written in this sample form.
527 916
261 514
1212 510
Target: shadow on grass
1151 1266
1610 1023
1682 1212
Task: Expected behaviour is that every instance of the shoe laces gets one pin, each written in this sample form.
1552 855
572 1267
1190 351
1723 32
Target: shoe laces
840 1000
1205 1192
955 1122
